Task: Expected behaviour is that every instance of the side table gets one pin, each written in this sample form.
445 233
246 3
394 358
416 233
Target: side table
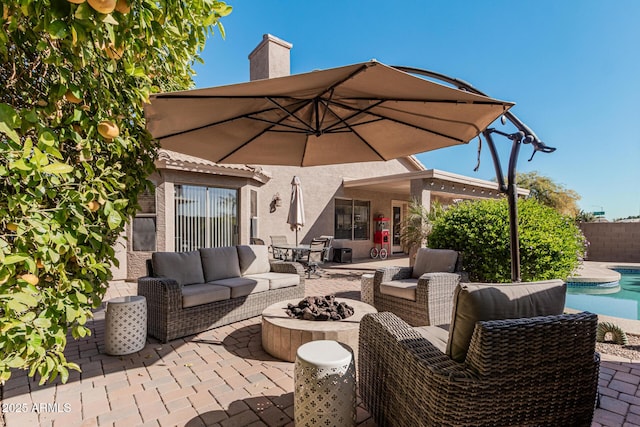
324 385
366 288
125 325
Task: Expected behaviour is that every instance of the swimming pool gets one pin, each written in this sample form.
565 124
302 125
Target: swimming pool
612 299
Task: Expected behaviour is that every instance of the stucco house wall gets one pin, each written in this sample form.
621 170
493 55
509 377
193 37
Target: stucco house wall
321 185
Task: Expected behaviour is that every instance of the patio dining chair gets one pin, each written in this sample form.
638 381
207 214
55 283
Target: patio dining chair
328 256
510 357
275 241
314 257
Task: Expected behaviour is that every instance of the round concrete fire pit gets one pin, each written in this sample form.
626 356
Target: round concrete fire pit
282 335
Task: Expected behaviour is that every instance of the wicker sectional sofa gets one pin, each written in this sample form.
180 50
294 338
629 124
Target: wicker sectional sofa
190 292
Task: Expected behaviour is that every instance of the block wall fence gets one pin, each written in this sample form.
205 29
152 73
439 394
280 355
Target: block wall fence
612 241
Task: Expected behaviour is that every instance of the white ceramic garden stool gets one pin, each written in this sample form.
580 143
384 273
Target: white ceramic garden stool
125 325
366 288
325 385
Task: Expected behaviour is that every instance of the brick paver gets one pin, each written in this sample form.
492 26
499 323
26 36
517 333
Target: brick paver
220 377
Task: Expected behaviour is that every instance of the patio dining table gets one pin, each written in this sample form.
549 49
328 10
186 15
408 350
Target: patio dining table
296 251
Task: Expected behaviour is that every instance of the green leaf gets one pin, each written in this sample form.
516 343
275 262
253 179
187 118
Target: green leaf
21 165
9 116
39 158
16 362
42 322
16 306
58 29
15 258
47 137
58 168
223 34
64 374
84 11
28 146
25 298
9 132
114 220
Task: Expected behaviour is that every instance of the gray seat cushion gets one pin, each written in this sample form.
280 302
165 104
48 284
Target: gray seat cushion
203 293
434 261
243 286
220 263
183 267
473 302
403 288
435 335
254 259
277 280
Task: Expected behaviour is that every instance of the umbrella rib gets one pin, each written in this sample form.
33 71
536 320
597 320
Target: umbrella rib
290 114
382 117
241 116
262 132
356 111
354 132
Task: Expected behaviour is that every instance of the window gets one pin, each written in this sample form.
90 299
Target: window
206 217
144 223
351 219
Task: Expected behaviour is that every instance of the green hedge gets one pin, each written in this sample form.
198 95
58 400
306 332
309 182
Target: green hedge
550 243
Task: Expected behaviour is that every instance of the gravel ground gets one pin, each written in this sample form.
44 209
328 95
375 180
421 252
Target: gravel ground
630 351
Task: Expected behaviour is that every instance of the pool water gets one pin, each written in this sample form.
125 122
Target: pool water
618 301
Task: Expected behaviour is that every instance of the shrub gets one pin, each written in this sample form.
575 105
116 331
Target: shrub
550 243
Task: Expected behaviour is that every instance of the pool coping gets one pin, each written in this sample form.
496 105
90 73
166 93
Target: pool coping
597 271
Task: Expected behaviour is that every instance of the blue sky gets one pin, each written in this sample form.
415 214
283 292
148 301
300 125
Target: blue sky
571 67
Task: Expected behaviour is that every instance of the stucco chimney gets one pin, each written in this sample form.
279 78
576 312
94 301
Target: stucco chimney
270 59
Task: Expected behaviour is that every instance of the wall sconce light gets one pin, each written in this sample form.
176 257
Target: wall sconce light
276 202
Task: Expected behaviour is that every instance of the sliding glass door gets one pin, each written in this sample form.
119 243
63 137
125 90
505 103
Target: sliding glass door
206 217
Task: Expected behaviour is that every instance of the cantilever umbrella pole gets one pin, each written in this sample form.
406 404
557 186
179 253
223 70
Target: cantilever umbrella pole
512 197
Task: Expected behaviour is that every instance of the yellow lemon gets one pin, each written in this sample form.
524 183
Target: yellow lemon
108 129
103 6
69 96
123 6
30 278
93 206
12 226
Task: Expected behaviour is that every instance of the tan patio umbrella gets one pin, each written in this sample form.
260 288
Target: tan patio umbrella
356 113
296 209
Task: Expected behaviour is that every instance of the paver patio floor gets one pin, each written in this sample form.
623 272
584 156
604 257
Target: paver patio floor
220 377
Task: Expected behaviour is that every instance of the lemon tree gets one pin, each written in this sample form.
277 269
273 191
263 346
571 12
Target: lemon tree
74 153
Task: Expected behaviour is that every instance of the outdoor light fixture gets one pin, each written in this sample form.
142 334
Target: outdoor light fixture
276 202
523 135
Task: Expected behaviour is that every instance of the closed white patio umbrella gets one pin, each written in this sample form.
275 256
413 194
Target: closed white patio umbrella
296 209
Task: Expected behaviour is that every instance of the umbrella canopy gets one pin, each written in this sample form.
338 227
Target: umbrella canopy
296 210
356 113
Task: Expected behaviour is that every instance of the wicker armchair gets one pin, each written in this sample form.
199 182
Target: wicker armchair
423 300
523 371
